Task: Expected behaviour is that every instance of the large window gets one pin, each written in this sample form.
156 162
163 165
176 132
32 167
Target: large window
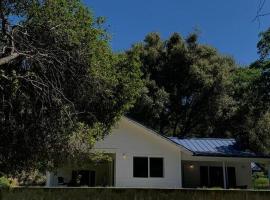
213 177
144 167
156 167
140 167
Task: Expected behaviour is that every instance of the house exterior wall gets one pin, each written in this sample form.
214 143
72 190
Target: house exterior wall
129 140
243 174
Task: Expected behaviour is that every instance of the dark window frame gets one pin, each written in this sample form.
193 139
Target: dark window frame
135 175
148 169
162 166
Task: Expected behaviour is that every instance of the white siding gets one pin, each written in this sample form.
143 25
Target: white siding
243 174
129 140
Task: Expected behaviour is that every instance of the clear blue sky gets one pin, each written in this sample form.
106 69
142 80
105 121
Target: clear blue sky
224 24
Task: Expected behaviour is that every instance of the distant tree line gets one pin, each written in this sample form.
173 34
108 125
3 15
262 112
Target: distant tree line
191 90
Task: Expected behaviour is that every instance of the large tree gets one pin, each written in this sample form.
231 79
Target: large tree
61 87
251 122
187 87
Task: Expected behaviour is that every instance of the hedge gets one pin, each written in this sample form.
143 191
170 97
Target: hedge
129 194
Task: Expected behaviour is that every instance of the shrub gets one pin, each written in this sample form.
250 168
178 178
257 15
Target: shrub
31 178
4 182
261 183
260 180
256 175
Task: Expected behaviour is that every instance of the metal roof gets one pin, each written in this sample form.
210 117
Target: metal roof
219 147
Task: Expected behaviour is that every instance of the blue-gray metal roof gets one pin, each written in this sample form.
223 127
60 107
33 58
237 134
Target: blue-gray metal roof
214 147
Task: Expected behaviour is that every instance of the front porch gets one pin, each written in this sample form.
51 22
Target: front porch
100 174
216 174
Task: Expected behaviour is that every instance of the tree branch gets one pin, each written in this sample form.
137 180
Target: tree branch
260 12
9 58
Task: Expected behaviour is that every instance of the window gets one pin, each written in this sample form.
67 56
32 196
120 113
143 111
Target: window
204 176
83 178
144 167
156 167
213 176
216 177
231 182
140 167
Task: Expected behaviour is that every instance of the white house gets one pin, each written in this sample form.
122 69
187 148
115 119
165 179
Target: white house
143 158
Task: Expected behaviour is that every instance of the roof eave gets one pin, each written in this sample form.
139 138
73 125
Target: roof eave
230 155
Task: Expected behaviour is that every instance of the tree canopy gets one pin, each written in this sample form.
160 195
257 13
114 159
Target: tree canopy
250 123
187 86
60 82
191 90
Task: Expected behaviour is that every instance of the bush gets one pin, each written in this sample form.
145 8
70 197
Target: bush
31 178
261 183
256 175
260 180
4 182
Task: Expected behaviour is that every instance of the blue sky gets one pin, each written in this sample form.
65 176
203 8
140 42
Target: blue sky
224 24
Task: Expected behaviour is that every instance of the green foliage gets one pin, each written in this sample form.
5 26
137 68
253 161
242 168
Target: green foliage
65 90
7 182
62 88
264 44
256 175
242 82
191 90
4 182
186 87
260 180
260 64
250 123
261 183
30 178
